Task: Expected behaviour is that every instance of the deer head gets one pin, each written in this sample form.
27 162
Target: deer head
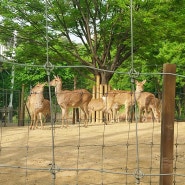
139 85
38 88
57 80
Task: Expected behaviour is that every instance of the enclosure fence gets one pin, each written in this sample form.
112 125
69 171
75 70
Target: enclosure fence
113 153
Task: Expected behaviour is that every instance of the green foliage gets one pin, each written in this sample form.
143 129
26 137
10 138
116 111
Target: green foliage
103 28
173 52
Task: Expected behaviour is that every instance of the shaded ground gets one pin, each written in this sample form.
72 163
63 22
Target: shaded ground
99 154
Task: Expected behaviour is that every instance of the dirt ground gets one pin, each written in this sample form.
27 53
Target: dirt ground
99 154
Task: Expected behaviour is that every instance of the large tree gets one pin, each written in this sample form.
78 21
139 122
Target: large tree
102 27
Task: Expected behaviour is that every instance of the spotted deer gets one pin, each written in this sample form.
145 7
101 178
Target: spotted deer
147 102
45 111
126 98
35 103
100 104
96 105
115 112
71 99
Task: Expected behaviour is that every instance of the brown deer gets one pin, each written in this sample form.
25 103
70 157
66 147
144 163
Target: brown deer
111 111
35 103
45 111
67 99
115 112
147 102
96 105
125 98
100 104
155 108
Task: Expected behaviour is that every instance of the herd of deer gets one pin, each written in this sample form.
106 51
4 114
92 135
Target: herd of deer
110 103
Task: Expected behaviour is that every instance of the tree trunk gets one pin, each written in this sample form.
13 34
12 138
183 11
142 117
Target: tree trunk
105 77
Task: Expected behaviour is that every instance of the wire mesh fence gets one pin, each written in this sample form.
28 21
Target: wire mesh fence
99 154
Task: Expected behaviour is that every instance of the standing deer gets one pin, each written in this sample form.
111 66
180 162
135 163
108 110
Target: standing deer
115 112
45 111
35 103
71 99
100 104
111 111
125 98
147 102
96 105
155 107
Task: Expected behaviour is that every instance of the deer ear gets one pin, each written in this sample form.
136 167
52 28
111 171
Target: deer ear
144 81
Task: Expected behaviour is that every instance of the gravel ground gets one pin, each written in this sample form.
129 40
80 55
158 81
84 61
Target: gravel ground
99 154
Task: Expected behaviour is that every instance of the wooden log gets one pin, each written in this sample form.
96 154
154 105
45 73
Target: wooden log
97 96
94 96
100 112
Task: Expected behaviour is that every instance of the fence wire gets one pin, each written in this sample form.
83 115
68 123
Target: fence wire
99 154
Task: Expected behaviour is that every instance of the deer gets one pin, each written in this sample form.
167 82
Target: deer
115 112
126 98
100 104
45 111
71 99
147 102
35 103
96 105
155 108
111 112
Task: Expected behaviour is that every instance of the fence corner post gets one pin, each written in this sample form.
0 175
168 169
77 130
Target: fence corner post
167 124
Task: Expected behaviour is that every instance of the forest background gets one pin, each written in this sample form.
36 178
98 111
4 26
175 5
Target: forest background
94 34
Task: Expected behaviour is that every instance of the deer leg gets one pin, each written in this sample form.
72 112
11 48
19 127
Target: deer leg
129 113
105 116
126 115
156 114
64 117
35 121
114 116
142 113
140 116
85 118
118 116
86 114
32 121
40 119
90 117
111 113
32 124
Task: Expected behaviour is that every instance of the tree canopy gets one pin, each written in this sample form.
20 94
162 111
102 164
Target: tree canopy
103 31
